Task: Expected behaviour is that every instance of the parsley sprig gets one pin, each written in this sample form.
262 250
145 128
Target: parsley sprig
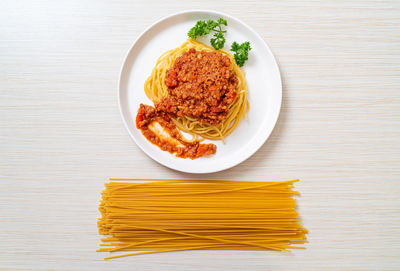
205 27
241 52
218 41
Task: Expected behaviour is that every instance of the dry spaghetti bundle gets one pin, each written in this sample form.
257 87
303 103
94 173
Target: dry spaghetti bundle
157 215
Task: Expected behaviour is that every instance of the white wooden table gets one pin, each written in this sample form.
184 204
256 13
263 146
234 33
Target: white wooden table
61 135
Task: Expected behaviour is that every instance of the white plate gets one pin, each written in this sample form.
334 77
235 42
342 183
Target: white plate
262 76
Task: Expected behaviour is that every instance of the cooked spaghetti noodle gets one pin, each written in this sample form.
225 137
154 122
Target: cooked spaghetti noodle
156 89
157 215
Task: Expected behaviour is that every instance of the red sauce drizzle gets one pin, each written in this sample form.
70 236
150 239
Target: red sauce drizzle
147 115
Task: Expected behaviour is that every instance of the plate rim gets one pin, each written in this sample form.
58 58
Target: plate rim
274 118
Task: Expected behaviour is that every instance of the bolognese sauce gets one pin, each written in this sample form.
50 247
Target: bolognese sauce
201 85
147 115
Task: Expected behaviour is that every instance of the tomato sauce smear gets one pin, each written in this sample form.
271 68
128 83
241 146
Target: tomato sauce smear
175 143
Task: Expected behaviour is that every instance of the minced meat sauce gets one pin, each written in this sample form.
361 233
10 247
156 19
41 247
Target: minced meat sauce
200 85
147 114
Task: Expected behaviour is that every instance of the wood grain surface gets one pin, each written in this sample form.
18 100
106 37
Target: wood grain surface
61 135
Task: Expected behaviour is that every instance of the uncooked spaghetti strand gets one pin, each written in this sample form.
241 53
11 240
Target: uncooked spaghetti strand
159 251
195 235
218 191
195 181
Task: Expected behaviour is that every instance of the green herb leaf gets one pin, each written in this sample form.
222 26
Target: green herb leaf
241 52
218 41
222 21
205 27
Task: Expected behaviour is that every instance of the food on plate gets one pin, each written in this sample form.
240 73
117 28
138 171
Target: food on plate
198 90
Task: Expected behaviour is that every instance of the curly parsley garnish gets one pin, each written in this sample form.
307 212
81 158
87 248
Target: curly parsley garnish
205 27
241 52
218 41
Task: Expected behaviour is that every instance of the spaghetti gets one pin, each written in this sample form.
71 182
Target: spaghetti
159 215
156 89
